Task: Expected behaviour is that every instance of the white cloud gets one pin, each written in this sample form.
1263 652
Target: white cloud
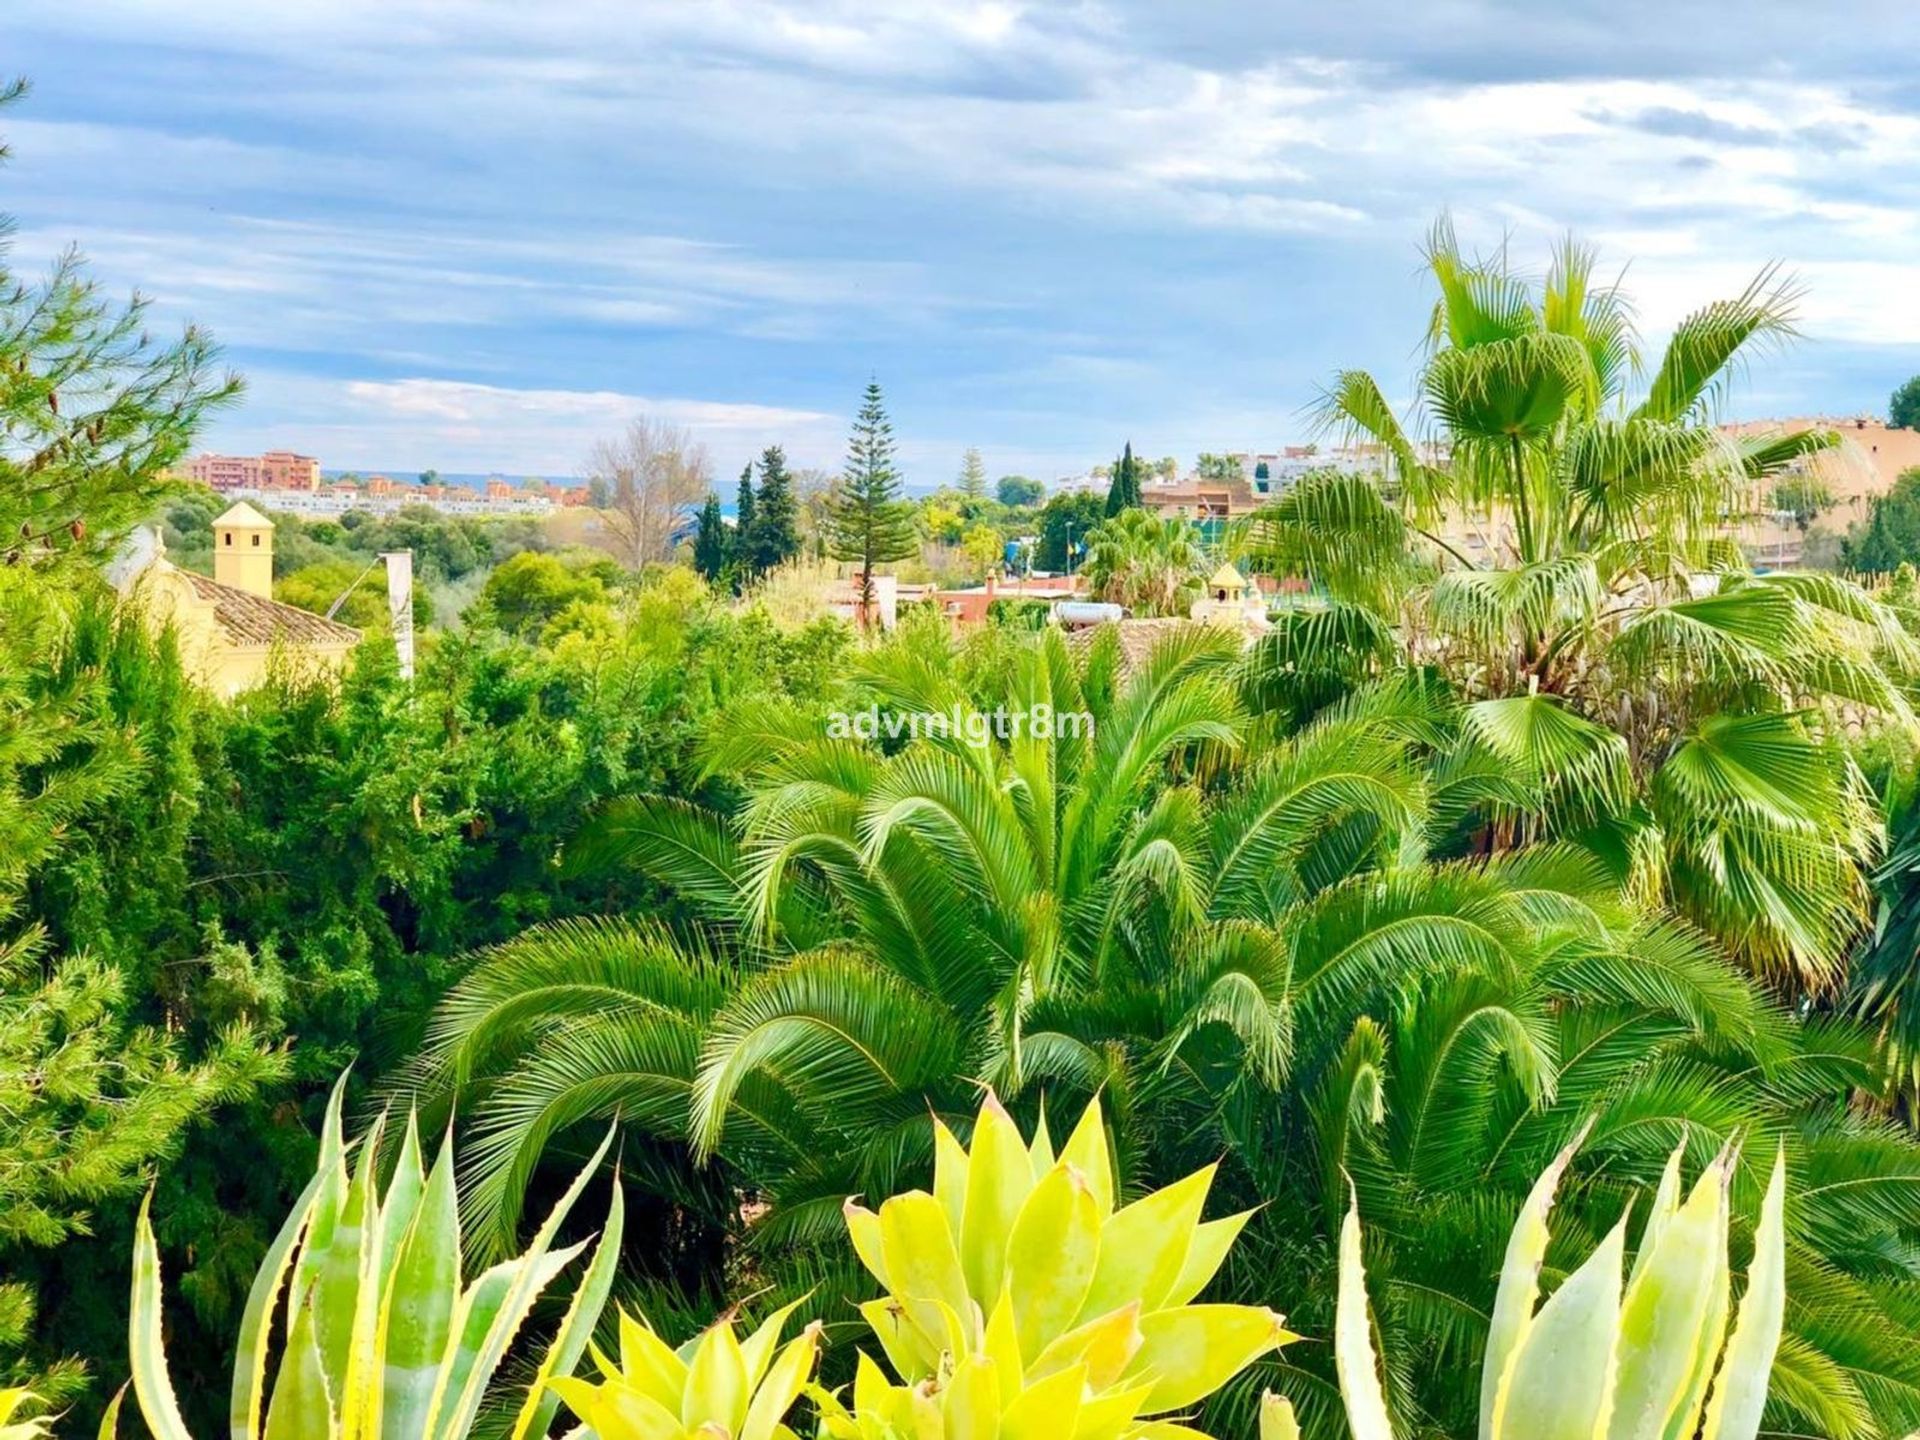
336 287
753 197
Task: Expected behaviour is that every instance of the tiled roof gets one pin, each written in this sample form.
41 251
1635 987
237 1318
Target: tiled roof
1137 638
247 619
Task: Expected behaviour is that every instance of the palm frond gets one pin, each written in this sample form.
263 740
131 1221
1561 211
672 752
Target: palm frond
1695 369
841 1033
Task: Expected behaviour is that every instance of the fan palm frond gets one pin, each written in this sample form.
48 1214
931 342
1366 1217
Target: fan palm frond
1694 370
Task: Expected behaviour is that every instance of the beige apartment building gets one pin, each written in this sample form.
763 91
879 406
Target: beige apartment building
1870 457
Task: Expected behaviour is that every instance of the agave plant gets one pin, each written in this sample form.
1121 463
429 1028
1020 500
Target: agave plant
1593 1363
11 1429
383 1341
714 1387
1021 1303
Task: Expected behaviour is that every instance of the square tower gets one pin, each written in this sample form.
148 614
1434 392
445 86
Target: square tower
243 550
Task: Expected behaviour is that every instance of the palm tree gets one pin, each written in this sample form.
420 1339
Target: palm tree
1247 942
1555 551
1146 562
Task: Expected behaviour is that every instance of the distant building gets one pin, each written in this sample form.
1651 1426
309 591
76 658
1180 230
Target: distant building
1870 457
337 499
230 629
275 470
284 470
964 608
1233 601
224 472
1201 500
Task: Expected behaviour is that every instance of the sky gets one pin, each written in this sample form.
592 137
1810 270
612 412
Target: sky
480 235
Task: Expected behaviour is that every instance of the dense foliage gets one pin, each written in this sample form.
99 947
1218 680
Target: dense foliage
92 1095
1291 950
1890 535
1576 824
304 865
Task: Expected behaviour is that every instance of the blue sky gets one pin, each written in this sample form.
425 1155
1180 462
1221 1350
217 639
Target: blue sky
477 235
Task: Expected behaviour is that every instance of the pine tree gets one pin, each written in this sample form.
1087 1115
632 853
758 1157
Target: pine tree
1123 492
92 1102
740 552
775 537
867 521
710 540
95 407
973 475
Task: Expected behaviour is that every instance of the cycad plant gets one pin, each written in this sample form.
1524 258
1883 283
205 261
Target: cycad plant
897 918
381 1338
1065 912
1556 548
1655 1362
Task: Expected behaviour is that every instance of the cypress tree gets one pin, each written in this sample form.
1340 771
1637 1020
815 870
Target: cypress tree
740 552
710 540
775 536
973 475
867 522
1123 491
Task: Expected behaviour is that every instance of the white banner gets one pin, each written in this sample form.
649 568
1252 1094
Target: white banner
400 606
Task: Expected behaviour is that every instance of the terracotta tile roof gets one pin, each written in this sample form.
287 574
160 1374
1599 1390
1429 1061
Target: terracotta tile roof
249 620
1137 638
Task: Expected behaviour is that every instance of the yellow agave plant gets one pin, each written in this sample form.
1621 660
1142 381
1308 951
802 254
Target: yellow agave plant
12 1429
383 1341
1655 1362
1023 1304
40 1427
714 1387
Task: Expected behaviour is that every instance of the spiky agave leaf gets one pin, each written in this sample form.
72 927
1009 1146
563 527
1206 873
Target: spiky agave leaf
713 1386
382 1339
1018 1288
1593 1361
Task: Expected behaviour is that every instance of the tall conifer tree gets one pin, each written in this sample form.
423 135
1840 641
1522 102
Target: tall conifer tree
868 523
1123 491
973 474
775 536
710 540
745 514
